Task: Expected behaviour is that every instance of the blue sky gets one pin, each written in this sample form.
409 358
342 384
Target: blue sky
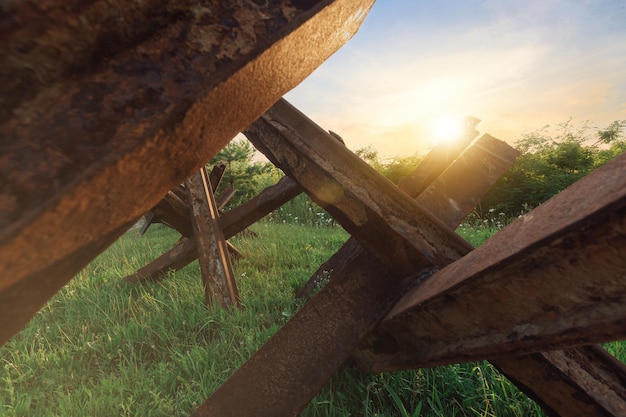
516 65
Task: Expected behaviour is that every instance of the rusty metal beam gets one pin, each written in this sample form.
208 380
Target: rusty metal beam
591 381
180 255
36 290
282 377
215 266
268 200
481 163
552 279
547 368
215 178
582 381
233 222
225 196
173 212
496 157
153 84
383 218
593 384
433 165
437 160
180 192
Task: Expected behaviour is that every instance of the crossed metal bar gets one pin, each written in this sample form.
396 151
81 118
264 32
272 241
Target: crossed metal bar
295 363
156 87
555 278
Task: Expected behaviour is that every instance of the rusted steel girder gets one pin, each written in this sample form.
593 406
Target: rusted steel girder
552 279
383 218
583 381
215 266
232 222
440 158
283 376
593 383
585 387
95 95
268 200
179 256
216 175
173 212
433 165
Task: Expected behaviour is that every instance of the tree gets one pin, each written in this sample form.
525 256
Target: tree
550 161
242 172
369 155
394 169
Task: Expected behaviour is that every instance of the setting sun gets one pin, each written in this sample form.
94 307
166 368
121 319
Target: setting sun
446 129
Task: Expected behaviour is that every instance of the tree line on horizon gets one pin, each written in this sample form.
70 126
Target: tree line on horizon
551 159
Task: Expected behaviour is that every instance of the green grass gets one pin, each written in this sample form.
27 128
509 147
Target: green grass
103 348
476 235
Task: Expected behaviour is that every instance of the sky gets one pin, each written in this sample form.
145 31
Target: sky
515 65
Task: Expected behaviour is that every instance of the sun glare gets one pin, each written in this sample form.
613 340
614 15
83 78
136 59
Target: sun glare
447 129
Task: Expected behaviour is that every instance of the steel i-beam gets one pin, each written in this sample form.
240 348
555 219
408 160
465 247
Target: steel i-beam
94 97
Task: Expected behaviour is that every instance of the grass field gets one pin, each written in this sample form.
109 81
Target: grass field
103 348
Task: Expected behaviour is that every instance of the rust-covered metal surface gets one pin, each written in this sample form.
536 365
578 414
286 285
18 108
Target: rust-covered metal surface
268 200
283 376
433 165
487 158
215 266
475 167
437 160
383 218
173 211
95 95
372 287
552 279
232 222
582 381
180 255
